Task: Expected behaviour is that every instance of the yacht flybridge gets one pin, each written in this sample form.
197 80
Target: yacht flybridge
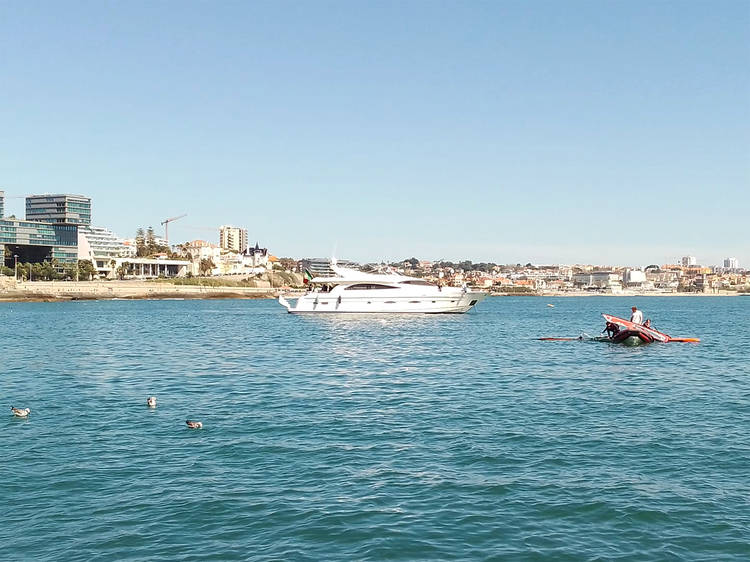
350 290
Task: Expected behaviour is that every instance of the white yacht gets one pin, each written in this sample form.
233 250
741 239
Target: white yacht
350 290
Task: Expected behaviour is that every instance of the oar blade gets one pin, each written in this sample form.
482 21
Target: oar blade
558 339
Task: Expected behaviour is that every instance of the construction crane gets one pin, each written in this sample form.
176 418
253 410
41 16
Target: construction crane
166 222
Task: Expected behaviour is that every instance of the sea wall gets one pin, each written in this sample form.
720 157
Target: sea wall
92 290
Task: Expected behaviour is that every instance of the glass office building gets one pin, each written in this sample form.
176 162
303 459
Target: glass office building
37 242
60 209
50 231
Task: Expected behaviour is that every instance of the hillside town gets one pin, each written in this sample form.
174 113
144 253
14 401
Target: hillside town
684 277
58 240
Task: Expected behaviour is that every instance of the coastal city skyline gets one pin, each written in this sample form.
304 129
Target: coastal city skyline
583 133
56 240
235 238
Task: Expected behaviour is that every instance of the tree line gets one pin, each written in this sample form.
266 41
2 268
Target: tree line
146 245
52 271
466 265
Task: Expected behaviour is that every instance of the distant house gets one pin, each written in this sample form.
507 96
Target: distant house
255 257
201 250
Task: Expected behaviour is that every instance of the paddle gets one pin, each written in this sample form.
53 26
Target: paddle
685 340
559 339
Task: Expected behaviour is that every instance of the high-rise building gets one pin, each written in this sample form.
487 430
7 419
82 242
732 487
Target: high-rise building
59 209
2 204
731 263
233 238
688 261
50 231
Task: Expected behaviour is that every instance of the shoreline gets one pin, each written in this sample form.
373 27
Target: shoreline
65 291
633 294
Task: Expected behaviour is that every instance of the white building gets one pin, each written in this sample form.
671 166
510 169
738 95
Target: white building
249 263
731 263
132 244
236 264
599 279
199 250
147 268
233 239
635 278
101 246
688 261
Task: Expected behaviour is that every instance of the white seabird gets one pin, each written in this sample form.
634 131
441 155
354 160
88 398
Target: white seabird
194 424
151 402
20 412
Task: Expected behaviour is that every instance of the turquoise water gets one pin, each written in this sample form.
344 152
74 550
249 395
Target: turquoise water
373 437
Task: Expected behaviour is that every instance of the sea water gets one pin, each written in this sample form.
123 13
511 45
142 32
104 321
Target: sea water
350 437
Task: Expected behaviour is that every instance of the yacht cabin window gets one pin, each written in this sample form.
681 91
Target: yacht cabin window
368 287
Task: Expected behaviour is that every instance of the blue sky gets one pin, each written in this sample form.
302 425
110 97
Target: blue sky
550 132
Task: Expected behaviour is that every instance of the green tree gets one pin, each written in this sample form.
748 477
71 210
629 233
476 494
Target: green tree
86 270
34 271
150 241
140 243
205 266
47 271
23 271
68 271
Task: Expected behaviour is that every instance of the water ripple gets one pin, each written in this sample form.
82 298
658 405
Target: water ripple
360 437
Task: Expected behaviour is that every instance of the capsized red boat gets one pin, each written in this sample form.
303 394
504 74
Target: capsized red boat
626 332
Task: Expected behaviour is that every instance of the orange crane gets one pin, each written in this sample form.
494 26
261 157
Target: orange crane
166 222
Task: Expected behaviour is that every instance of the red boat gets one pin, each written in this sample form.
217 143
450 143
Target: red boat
626 332
630 333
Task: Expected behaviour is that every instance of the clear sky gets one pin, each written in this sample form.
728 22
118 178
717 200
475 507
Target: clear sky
544 131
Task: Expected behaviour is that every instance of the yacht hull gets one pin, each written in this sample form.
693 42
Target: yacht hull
444 302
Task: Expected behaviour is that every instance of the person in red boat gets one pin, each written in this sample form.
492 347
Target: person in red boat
612 329
637 316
